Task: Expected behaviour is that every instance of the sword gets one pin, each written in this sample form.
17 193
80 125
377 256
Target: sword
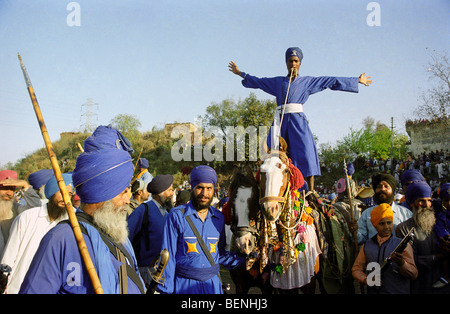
156 271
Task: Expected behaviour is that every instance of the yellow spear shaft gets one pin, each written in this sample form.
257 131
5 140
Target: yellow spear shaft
62 187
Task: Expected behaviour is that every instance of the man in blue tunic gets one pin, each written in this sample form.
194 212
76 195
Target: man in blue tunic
101 177
189 271
293 125
146 223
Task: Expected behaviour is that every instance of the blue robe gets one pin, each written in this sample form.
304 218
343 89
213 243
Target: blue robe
57 267
187 259
295 129
155 232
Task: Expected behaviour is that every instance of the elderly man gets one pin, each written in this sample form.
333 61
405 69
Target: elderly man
425 244
294 126
9 208
29 228
384 186
101 178
194 235
146 223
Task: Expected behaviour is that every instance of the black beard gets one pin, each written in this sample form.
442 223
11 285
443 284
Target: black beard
199 206
54 211
381 198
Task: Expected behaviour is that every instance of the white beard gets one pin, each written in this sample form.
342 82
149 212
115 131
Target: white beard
425 219
112 221
6 209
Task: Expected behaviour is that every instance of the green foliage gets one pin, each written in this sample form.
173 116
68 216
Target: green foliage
65 149
156 145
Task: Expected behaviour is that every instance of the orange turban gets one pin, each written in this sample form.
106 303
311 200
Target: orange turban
381 211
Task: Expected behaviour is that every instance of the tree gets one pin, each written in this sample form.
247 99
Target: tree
235 119
436 101
128 125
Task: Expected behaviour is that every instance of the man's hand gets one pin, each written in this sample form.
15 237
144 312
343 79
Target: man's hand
366 80
233 68
397 258
353 226
18 183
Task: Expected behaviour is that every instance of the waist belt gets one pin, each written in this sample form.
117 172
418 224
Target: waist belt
288 108
200 274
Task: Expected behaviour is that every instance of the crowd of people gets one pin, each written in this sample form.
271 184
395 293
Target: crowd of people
129 224
37 247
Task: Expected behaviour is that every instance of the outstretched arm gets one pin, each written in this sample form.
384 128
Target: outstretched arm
366 80
233 68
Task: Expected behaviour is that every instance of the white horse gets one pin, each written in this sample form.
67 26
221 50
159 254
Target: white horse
296 254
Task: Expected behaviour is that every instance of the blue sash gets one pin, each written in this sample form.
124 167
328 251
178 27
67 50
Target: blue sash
200 274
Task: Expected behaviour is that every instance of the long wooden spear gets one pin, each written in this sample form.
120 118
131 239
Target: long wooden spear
62 187
350 198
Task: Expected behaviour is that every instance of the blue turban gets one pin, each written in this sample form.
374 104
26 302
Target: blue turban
143 163
160 183
350 169
107 137
51 186
444 192
40 178
101 175
203 174
294 52
417 189
411 175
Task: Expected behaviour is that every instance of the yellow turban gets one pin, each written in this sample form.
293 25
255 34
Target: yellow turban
381 211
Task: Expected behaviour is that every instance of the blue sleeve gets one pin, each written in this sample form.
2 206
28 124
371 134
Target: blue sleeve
57 266
269 85
170 242
135 221
363 231
347 84
440 226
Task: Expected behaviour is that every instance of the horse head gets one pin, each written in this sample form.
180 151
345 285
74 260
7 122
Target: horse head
243 199
274 175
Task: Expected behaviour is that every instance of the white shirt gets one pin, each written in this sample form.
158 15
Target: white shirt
365 228
26 233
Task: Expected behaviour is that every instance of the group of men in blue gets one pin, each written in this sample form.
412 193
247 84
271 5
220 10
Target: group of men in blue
101 178
194 233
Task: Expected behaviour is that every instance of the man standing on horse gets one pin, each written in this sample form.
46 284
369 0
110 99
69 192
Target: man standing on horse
291 92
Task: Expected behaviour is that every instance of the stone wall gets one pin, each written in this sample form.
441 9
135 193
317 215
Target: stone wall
428 135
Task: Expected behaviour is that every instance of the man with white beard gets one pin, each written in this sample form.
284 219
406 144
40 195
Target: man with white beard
9 208
425 243
101 177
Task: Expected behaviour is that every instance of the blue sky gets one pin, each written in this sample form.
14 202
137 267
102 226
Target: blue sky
166 61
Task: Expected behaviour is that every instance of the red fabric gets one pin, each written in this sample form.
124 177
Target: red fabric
226 211
297 179
8 173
